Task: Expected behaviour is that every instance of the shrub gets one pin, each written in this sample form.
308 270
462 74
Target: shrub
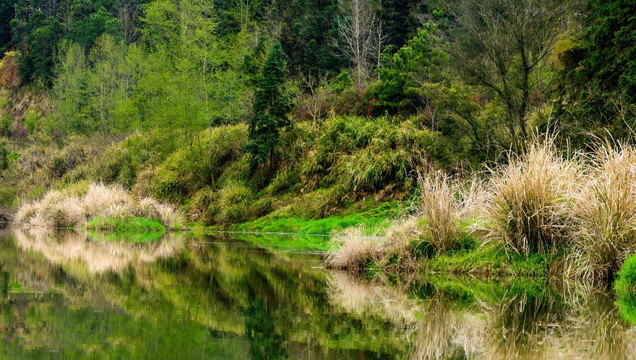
606 215
530 202
5 123
203 205
4 156
234 203
201 163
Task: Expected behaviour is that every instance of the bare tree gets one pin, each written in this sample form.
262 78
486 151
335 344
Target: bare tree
380 39
504 45
314 102
360 36
127 15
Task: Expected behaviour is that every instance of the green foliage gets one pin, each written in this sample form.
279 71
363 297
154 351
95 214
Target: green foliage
597 93
376 218
6 15
404 74
201 164
4 156
5 124
87 29
369 154
271 106
625 284
234 202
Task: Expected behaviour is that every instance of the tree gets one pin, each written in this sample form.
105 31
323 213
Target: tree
271 106
597 81
360 35
6 15
405 75
502 45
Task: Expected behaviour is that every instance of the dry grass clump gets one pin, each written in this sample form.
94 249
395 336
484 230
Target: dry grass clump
606 215
442 208
530 203
440 223
74 208
356 252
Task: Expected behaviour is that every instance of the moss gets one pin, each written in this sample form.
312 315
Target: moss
126 225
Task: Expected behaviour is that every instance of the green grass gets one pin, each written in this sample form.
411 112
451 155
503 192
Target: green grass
376 218
490 260
127 225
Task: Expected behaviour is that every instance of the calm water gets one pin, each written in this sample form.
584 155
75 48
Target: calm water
89 296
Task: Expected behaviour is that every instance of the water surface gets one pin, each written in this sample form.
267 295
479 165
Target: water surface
94 296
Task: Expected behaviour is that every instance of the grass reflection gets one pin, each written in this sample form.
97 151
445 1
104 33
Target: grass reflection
97 255
465 318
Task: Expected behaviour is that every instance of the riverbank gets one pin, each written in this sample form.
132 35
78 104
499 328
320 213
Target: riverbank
541 214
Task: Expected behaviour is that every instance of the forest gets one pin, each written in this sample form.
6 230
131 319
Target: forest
316 116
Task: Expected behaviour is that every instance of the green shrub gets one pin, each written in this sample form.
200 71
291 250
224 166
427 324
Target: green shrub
625 284
234 203
8 195
33 119
4 156
202 163
203 206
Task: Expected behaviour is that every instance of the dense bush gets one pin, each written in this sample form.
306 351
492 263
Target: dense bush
201 163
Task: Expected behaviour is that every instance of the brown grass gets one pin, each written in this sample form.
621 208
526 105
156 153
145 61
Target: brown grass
606 215
355 252
441 210
439 221
530 206
74 207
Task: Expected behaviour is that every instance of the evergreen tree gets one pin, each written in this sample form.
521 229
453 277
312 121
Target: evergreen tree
270 109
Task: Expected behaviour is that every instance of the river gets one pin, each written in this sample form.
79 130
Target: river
87 295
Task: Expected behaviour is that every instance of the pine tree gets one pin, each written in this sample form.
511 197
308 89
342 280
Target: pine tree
271 106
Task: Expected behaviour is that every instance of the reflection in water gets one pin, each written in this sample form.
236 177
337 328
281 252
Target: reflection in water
263 325
78 296
462 318
98 256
